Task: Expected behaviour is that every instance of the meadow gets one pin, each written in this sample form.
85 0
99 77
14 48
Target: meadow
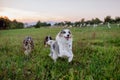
96 55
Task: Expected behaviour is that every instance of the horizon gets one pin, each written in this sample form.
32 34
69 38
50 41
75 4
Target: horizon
29 11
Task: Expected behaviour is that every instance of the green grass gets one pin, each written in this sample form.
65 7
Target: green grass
96 55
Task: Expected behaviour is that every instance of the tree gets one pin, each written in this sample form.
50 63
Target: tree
38 24
42 24
89 22
20 25
68 23
117 19
77 24
13 24
108 19
96 21
60 24
82 21
4 23
16 25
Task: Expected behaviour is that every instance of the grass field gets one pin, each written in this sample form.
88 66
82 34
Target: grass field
96 55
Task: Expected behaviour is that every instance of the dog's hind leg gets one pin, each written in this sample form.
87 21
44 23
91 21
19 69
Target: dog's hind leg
54 57
50 54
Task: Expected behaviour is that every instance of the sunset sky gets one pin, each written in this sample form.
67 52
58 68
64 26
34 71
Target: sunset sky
58 10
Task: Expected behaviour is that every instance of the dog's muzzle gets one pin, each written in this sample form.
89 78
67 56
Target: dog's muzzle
67 38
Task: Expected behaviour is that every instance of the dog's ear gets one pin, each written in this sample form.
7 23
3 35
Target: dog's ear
50 38
60 33
24 44
32 44
23 41
45 40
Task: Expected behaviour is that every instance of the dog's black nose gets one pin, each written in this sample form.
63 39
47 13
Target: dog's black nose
68 35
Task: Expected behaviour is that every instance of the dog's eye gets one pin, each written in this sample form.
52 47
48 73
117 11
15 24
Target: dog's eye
63 32
26 43
69 32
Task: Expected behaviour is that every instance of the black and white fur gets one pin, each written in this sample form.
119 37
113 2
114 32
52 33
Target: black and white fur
54 48
47 38
64 40
28 45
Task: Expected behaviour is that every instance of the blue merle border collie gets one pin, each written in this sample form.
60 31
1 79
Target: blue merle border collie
28 45
62 46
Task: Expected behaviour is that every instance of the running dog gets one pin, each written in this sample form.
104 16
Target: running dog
64 40
28 45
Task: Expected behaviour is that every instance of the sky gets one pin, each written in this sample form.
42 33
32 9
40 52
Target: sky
58 10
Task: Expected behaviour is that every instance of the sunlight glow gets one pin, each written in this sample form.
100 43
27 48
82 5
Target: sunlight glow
28 16
17 14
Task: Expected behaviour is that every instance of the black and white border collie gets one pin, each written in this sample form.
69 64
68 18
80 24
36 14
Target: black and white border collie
47 38
54 48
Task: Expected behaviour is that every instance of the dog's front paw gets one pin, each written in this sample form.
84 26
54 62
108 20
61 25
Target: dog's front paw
55 61
70 59
26 52
49 55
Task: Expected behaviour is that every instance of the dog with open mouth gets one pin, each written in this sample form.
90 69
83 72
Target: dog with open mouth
64 40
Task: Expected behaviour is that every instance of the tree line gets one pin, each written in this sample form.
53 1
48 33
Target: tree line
6 23
41 24
94 21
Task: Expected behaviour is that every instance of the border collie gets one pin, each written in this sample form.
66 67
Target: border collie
54 48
